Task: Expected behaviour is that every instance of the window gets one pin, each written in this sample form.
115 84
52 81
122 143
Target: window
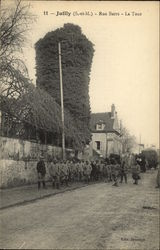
100 126
98 145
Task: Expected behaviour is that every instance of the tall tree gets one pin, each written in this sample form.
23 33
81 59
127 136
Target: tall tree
77 54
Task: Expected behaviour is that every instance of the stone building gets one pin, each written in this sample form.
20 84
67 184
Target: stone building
106 133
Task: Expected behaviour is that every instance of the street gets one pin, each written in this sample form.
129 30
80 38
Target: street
97 216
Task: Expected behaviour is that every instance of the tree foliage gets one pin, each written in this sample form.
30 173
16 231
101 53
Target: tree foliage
128 141
26 107
77 54
15 20
151 156
37 110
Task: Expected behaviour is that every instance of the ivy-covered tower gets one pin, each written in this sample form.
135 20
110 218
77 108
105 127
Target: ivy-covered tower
77 53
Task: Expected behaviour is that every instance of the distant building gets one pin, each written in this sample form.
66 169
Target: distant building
106 133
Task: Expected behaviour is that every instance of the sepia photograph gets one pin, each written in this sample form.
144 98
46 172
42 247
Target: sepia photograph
79 125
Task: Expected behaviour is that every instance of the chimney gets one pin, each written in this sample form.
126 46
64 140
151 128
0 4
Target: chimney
113 111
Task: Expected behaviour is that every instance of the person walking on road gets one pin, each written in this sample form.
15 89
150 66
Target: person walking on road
41 171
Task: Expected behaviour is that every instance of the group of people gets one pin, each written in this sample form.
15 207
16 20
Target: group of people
69 171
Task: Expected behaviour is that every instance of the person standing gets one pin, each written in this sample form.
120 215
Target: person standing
41 171
101 169
80 172
87 171
52 172
109 170
105 172
115 172
98 169
93 172
136 172
57 173
65 172
71 169
77 170
123 170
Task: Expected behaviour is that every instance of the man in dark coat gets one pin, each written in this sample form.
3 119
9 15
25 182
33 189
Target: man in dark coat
123 171
41 170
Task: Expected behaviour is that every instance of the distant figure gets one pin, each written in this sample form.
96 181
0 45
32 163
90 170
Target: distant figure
87 171
52 172
94 171
123 170
115 172
136 172
80 171
142 163
64 173
41 170
109 170
57 166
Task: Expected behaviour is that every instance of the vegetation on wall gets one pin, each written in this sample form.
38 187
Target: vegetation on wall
30 112
36 115
77 53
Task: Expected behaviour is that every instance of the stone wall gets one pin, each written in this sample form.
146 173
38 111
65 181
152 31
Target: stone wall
18 160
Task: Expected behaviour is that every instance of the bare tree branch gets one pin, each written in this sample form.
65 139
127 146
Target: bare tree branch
14 24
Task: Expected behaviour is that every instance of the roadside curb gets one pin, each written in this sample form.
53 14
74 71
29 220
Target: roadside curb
24 202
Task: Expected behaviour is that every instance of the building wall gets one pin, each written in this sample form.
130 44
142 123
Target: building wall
110 147
18 160
102 138
110 143
114 145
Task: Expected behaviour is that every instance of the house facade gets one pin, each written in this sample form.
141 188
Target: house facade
106 133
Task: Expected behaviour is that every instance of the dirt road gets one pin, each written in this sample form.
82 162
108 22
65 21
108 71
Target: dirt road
98 216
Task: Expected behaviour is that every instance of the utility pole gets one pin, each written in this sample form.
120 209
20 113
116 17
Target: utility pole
62 106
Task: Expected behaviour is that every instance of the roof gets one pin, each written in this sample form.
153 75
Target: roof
98 118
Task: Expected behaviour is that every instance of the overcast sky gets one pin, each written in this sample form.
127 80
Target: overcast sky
125 64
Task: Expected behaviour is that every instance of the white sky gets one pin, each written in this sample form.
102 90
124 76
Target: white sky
125 69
